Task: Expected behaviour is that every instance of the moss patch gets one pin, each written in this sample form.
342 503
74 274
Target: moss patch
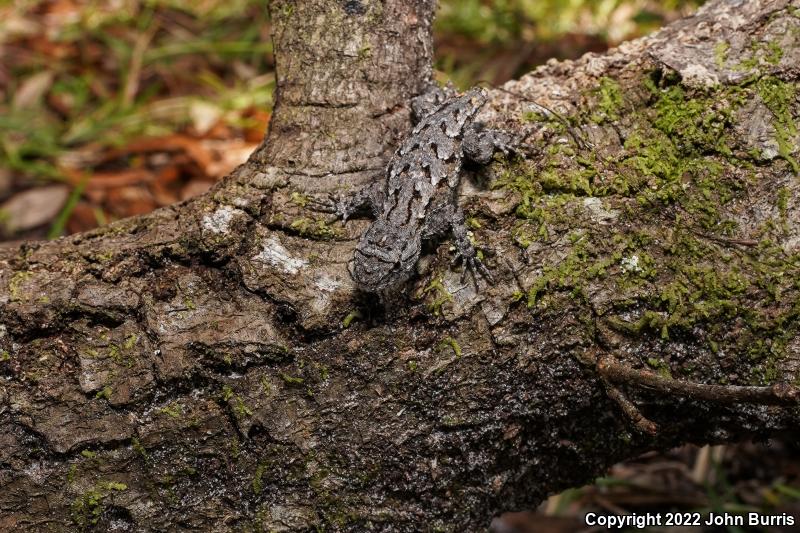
678 263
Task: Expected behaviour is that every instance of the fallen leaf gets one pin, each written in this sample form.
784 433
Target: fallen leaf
203 115
31 90
195 188
83 218
110 180
130 201
230 154
34 207
255 132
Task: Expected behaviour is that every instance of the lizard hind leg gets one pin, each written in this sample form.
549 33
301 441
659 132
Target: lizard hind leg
467 253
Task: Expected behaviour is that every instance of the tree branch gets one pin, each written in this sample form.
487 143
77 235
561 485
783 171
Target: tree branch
211 366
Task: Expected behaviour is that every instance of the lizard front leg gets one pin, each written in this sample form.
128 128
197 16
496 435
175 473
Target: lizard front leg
480 143
367 199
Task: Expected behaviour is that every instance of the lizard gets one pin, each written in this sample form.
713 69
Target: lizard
418 199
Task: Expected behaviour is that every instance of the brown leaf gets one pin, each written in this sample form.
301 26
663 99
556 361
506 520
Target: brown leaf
255 132
195 188
31 90
34 207
129 201
82 218
109 180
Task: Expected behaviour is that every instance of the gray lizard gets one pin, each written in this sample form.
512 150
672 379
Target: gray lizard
419 198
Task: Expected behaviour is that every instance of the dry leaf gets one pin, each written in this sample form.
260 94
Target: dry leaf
195 188
32 89
204 115
34 207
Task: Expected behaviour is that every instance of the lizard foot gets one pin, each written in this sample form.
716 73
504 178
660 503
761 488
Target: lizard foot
474 266
332 204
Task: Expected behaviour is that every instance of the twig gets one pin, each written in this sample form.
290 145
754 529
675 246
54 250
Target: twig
578 138
725 240
777 394
640 421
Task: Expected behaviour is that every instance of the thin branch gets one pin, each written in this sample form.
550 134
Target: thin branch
777 394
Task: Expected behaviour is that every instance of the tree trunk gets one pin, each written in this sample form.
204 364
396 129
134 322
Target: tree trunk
211 366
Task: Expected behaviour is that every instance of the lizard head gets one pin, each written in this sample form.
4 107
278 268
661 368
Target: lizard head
384 258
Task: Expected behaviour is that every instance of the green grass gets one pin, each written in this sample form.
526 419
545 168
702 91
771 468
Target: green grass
151 66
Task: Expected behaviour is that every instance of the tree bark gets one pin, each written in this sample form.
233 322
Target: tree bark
211 366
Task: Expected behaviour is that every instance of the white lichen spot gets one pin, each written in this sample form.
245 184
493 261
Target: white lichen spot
770 149
273 253
598 211
630 264
220 220
326 283
36 473
698 76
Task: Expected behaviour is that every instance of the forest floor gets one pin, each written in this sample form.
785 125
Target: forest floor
113 108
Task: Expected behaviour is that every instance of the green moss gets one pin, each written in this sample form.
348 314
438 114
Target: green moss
87 508
779 97
4 356
227 393
609 95
438 295
721 53
412 366
352 315
89 454
299 199
130 341
173 410
139 448
570 273
15 284
783 201
291 380
315 228
695 124
241 409
673 181
452 344
266 388
661 367
761 54
258 482
100 257
105 393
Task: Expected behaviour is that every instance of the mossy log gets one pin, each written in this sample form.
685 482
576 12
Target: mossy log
211 366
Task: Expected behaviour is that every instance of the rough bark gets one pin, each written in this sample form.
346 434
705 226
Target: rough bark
210 365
